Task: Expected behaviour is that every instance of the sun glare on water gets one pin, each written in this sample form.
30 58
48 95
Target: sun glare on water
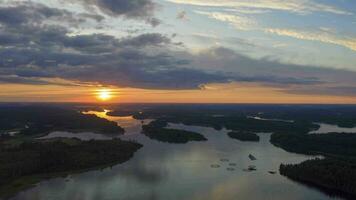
104 94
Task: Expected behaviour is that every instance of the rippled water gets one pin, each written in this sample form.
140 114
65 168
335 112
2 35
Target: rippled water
210 170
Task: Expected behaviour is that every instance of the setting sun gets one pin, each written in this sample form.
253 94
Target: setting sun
104 94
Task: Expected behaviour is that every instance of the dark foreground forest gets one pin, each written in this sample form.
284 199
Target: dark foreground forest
329 173
337 171
24 164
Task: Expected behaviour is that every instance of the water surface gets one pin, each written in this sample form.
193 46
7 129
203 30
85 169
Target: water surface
162 171
329 128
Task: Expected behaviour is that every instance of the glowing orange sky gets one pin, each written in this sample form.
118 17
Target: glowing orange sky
215 93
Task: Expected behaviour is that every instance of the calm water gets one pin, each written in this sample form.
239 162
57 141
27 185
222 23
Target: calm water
328 128
161 171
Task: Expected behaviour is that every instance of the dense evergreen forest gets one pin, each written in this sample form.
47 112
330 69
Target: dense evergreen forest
35 158
341 115
156 130
337 171
331 143
329 173
244 136
229 119
34 120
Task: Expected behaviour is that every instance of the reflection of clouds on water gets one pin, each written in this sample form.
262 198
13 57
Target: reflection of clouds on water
142 173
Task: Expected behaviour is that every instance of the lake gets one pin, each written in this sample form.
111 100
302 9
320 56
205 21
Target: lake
210 170
329 128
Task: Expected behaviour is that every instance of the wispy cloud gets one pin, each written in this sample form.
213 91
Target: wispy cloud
295 6
239 22
322 35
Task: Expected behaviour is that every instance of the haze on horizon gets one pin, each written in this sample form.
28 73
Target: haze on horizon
199 51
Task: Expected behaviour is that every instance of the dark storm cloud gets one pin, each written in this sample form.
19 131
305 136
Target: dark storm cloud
131 9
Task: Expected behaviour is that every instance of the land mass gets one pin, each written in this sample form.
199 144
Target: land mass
244 136
40 120
339 144
337 171
156 130
24 164
330 173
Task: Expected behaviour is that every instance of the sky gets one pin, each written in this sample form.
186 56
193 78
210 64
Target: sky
181 51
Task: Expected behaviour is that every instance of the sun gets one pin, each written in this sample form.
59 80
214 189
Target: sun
104 94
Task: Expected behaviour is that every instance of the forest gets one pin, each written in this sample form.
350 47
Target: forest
36 120
36 158
342 144
329 173
337 171
157 130
244 136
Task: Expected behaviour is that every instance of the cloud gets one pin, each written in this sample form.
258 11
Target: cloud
269 72
132 9
33 51
239 22
17 14
321 35
326 90
294 6
22 80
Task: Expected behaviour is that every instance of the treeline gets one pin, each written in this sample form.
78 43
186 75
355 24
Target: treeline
343 144
345 117
156 130
238 122
38 120
244 136
329 173
341 115
60 155
337 171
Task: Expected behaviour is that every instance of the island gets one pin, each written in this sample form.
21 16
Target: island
244 136
156 130
29 162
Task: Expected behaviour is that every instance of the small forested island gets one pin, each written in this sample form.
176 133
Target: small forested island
39 120
24 164
244 136
122 113
156 130
329 173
